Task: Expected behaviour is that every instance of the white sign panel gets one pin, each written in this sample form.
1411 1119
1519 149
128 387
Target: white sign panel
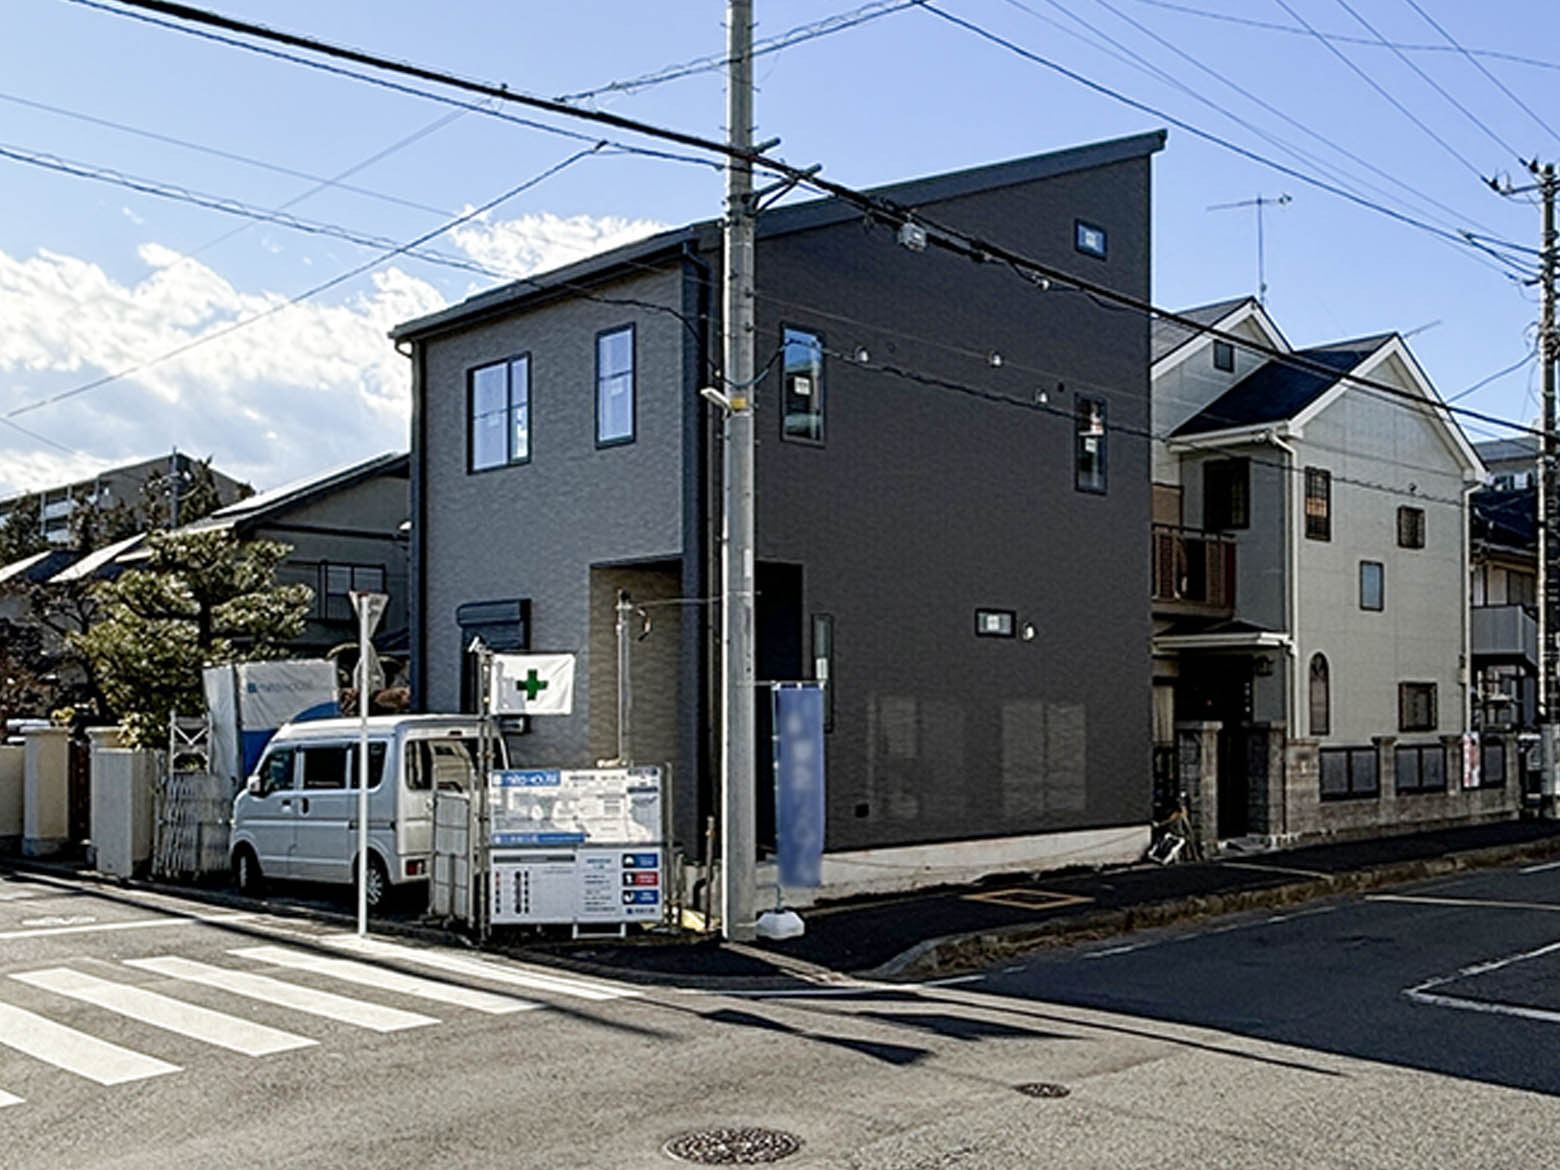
585 885
532 684
588 806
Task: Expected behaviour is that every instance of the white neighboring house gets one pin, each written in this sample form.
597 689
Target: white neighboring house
1311 586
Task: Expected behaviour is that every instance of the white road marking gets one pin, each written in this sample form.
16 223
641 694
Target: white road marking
7 1099
1121 950
18 895
370 976
480 969
130 924
73 1051
1540 868
60 920
1491 903
289 995
1488 1007
161 1011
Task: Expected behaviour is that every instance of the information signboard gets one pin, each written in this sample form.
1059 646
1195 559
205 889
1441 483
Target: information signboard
553 806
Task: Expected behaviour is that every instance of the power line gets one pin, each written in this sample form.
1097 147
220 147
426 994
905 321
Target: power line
1275 26
1498 374
1380 89
1259 101
342 278
874 207
1479 65
1430 81
707 64
231 156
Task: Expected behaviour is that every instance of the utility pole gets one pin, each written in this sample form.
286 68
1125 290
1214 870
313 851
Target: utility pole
1548 505
1259 203
738 839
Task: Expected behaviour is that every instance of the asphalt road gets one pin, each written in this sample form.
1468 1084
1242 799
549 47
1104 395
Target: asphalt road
141 1031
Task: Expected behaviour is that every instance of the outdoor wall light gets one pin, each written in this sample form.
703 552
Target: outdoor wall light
862 355
715 398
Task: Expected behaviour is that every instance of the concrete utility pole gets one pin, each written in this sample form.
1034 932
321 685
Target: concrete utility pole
738 839
1549 506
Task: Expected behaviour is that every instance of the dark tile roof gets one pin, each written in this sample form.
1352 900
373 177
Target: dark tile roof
1171 335
793 217
1508 518
1506 450
1278 391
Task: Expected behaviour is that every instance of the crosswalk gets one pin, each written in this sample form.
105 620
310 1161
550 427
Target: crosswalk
280 977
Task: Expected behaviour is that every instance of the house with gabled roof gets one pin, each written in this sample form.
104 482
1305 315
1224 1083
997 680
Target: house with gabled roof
1310 563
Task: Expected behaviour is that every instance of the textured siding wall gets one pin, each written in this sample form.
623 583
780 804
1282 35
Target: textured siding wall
925 504
534 530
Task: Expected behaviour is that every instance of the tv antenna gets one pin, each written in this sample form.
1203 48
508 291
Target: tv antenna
1259 203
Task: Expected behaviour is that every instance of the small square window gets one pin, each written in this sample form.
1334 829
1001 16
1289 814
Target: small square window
994 623
1416 707
1223 356
1411 527
1089 455
1372 585
1089 239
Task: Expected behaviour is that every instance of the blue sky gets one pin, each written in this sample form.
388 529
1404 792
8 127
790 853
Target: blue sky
95 278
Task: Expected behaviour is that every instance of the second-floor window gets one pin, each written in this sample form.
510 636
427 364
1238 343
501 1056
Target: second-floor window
1089 457
1318 503
1416 707
803 415
615 386
1226 494
1373 585
499 414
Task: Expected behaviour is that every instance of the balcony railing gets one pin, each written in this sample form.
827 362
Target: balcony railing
1192 569
1505 634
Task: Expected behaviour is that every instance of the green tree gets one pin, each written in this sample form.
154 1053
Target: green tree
94 525
194 491
204 599
22 533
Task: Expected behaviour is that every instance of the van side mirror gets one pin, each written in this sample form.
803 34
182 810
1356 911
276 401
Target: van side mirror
253 785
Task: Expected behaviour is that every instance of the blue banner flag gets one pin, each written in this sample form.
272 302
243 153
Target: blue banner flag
799 784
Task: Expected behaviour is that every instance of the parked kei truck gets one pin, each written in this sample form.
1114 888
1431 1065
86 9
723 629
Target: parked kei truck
296 817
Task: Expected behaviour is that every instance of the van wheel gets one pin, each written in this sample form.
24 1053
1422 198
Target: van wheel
378 884
246 870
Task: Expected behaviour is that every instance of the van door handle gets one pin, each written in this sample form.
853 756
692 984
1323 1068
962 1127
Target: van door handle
287 804
305 803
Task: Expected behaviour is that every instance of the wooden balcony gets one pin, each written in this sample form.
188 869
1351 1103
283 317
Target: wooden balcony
1193 571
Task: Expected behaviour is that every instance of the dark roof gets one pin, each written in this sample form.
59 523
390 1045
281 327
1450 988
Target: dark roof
1193 626
794 217
279 501
1278 391
1171 335
1506 450
1508 518
38 567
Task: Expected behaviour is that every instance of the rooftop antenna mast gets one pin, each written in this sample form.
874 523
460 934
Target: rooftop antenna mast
1259 203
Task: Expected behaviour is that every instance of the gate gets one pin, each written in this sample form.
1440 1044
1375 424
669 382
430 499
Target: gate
1234 782
78 757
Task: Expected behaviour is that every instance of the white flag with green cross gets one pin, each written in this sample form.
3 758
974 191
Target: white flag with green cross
532 684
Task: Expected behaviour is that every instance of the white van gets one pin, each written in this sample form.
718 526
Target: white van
296 818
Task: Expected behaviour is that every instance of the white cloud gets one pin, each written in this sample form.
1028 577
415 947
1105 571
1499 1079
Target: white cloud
311 386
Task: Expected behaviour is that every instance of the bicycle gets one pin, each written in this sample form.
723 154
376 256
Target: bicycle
1174 838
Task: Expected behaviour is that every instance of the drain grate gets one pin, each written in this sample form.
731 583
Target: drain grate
1043 1089
736 1146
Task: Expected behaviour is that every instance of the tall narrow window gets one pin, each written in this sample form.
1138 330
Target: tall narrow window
1373 585
1321 697
1318 503
823 663
1089 455
803 416
615 387
1226 494
1223 356
499 414
1411 527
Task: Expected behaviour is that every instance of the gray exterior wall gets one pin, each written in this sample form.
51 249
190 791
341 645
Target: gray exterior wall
534 530
925 504
357 525
1261 549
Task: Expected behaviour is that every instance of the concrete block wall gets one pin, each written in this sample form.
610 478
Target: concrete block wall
46 791
122 805
12 785
1197 757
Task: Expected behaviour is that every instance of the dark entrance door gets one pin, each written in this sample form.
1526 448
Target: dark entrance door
1234 783
777 658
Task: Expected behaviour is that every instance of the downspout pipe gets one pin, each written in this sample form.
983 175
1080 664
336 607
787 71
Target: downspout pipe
1291 598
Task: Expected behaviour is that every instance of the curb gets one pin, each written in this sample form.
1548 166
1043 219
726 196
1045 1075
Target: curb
959 954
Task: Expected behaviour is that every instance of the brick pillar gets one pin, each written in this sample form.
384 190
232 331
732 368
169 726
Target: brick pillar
1303 787
1452 746
1197 762
1267 789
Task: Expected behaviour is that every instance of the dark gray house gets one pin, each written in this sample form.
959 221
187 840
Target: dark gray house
971 575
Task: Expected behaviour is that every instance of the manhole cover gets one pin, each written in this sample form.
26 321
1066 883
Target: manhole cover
1042 1089
745 1146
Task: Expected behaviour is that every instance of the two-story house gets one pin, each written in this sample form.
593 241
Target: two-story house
959 568
1312 627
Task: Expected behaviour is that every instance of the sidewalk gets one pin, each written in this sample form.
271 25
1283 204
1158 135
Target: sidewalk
951 930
